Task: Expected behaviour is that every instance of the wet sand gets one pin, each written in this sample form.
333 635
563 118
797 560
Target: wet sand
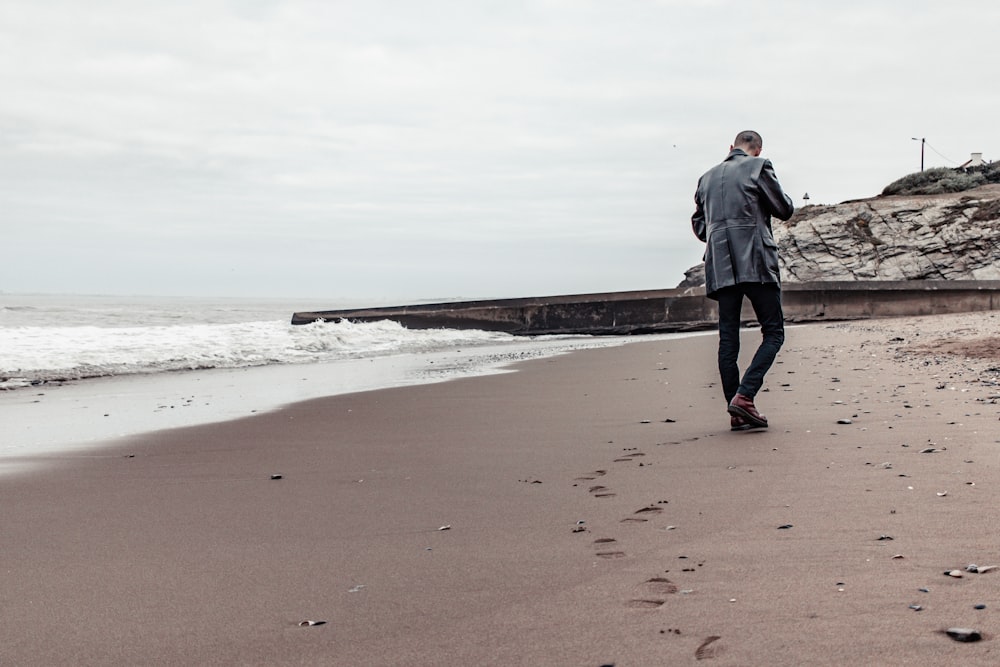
590 509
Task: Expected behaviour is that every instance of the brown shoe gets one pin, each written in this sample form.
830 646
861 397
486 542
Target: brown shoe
741 406
738 424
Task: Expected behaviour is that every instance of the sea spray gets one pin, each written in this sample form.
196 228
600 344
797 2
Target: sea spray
44 354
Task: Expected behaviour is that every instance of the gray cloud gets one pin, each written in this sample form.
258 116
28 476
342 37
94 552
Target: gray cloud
444 148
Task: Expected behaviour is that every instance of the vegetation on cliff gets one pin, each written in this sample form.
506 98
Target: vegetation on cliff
944 179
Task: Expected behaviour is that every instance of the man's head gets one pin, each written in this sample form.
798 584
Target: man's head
748 141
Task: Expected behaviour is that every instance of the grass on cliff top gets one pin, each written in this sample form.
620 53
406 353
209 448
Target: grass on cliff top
943 179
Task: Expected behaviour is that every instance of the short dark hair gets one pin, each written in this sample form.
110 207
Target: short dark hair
748 138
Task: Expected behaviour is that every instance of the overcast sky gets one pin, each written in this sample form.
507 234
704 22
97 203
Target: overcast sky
420 149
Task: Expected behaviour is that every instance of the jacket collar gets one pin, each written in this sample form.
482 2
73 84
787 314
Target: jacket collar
736 152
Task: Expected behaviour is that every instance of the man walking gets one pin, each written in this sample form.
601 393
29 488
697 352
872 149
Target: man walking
734 204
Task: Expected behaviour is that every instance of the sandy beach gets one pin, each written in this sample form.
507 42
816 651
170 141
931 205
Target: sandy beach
589 509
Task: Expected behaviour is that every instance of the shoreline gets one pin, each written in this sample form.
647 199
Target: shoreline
78 415
598 511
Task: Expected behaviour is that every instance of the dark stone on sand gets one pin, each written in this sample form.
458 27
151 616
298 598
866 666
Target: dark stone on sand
963 634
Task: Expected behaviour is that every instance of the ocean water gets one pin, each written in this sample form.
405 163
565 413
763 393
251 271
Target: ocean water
46 338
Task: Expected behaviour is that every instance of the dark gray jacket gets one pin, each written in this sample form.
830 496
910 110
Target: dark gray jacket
734 204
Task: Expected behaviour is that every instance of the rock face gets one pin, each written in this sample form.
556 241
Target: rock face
905 237
693 277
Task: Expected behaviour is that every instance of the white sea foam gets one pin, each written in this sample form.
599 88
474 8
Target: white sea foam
39 354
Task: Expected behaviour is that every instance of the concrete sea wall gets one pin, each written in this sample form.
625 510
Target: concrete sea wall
656 311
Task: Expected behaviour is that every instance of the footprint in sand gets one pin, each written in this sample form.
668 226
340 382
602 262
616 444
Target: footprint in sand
591 476
626 458
642 514
652 593
605 547
651 509
659 586
599 491
708 648
645 604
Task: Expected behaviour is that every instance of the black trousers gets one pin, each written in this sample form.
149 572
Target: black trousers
766 301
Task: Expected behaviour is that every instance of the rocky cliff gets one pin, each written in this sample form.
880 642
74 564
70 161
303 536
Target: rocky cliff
954 236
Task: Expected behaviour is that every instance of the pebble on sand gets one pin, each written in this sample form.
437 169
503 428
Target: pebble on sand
979 569
963 634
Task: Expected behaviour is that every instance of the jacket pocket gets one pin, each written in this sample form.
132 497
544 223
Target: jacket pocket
742 241
769 257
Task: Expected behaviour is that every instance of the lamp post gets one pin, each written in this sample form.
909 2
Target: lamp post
922 141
